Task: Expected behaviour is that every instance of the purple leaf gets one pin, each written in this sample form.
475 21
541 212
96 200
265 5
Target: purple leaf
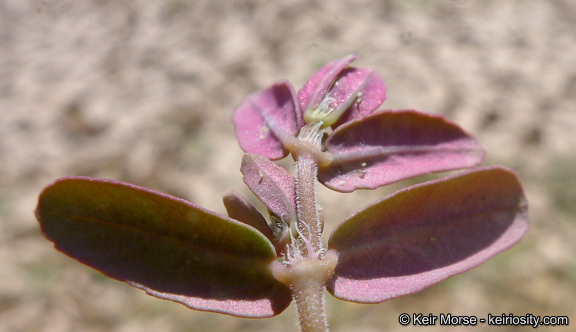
266 119
389 146
272 184
239 209
362 87
166 246
426 233
317 86
336 94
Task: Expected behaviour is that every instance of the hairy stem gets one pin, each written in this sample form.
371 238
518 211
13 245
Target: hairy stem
307 277
309 298
308 266
310 272
310 221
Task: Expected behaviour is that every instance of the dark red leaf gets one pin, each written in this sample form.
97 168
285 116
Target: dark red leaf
171 248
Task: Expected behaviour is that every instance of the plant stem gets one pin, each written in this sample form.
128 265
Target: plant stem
309 273
310 221
309 266
309 298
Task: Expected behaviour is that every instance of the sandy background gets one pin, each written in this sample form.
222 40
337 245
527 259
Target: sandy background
142 91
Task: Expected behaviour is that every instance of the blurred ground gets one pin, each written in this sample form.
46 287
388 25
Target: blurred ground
143 92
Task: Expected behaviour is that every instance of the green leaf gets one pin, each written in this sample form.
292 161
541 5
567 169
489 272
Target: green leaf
166 246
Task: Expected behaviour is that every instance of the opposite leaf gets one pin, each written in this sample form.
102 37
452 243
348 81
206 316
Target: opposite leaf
388 146
166 246
426 233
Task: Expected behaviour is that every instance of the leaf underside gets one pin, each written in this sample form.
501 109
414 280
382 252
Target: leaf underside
272 184
317 86
239 209
166 246
389 146
265 118
426 233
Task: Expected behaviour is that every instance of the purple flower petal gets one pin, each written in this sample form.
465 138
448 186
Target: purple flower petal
426 233
164 245
272 184
266 119
389 146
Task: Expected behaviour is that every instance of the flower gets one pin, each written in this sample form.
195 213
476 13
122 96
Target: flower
335 118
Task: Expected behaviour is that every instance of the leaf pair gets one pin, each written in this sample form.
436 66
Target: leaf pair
178 251
368 148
